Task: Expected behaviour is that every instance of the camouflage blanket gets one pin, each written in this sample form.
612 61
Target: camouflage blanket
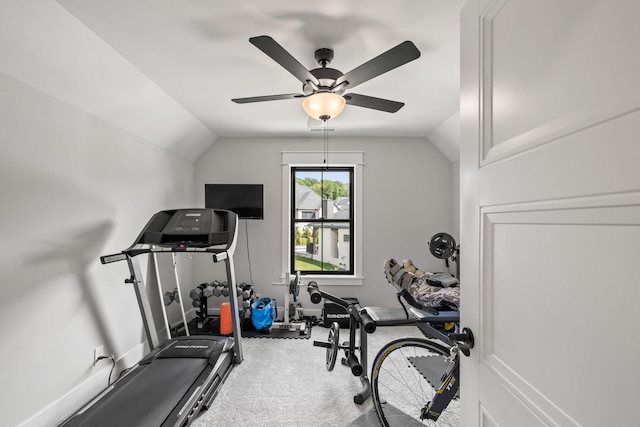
407 276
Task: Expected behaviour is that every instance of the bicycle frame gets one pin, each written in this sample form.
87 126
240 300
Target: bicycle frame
445 394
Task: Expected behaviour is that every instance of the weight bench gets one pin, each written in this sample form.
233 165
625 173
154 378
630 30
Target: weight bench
386 316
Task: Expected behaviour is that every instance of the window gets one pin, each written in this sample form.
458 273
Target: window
322 220
317 161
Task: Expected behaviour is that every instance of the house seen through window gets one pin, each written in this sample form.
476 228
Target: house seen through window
322 220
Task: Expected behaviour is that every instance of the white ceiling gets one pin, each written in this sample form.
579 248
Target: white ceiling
166 70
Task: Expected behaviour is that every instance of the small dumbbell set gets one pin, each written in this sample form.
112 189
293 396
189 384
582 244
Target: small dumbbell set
204 322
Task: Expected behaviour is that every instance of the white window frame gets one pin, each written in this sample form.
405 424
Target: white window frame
354 159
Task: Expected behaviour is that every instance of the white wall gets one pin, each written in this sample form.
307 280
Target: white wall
407 198
455 187
72 188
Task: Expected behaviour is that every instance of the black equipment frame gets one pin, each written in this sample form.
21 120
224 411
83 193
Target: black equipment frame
181 376
220 245
358 319
367 319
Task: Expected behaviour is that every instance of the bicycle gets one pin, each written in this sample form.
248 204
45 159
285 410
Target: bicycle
415 381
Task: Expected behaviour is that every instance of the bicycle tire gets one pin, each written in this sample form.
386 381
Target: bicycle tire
400 388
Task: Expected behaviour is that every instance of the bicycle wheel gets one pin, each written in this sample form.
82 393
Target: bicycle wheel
405 375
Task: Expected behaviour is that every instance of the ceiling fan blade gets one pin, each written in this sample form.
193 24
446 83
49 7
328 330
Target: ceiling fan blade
267 98
373 103
282 57
393 58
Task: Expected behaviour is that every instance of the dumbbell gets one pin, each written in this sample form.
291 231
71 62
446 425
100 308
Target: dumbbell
196 303
195 294
246 304
217 291
246 295
169 297
208 291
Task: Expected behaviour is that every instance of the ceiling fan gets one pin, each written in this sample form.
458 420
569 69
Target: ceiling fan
323 88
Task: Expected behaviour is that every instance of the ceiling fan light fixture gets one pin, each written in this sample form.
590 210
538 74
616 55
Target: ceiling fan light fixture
324 105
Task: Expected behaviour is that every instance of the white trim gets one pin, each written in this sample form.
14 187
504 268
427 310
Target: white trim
353 159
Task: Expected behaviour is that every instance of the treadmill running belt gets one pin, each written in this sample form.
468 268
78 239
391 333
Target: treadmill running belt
147 401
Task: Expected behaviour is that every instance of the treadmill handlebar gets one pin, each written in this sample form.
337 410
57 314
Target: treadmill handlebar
107 259
219 253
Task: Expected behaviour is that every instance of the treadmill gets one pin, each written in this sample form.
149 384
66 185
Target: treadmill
181 376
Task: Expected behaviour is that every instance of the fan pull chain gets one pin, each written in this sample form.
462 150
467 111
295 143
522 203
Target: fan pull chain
325 131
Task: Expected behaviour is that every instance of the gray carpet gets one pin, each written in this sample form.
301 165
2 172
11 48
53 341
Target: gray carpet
285 383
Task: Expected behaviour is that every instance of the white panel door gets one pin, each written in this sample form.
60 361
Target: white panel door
550 212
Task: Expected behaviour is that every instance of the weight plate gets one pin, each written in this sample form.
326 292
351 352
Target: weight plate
442 245
294 286
334 340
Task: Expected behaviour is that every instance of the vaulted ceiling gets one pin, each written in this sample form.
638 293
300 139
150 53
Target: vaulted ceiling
167 70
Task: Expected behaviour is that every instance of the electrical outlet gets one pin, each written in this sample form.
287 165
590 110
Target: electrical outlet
97 353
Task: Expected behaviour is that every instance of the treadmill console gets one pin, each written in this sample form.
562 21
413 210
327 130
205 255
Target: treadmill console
187 222
190 228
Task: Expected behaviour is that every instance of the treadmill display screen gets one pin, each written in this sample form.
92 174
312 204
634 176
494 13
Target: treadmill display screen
186 222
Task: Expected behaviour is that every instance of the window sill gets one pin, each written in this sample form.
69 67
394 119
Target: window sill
333 280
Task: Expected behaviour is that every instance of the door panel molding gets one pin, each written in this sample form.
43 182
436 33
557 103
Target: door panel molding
555 66
571 165
486 19
532 409
514 308
557 130
486 420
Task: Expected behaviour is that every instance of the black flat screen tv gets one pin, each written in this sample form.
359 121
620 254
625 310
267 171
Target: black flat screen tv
246 200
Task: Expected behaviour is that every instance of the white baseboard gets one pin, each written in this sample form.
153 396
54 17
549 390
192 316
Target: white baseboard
73 400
